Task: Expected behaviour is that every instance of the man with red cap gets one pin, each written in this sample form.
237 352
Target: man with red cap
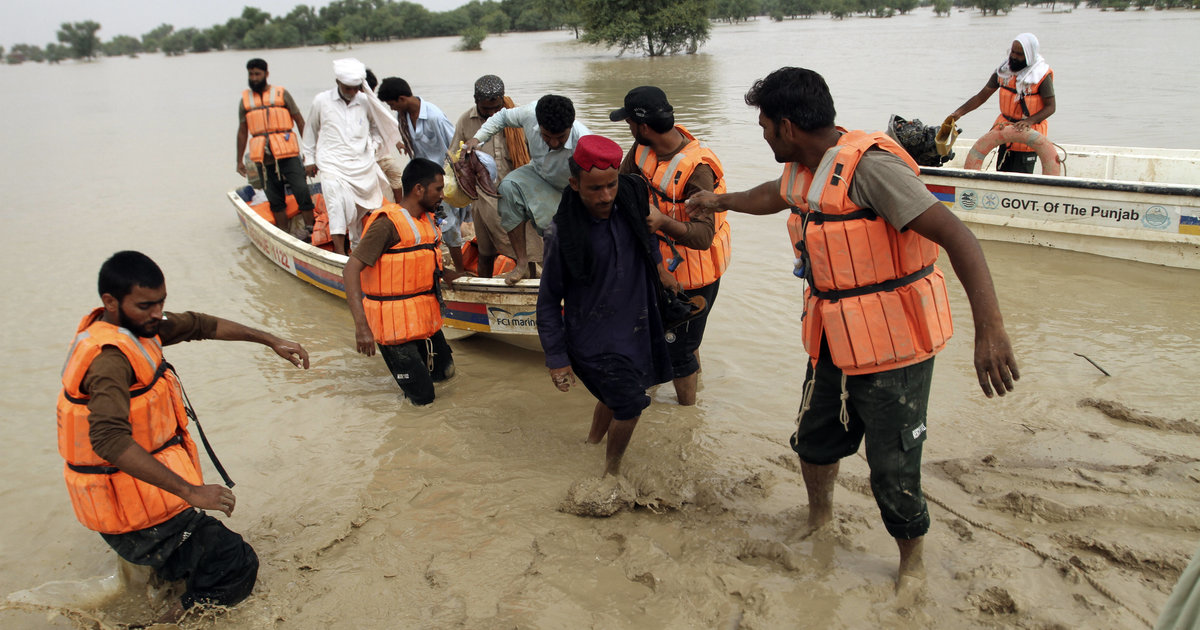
598 303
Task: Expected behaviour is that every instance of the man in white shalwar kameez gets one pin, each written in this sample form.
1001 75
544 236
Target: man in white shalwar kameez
346 126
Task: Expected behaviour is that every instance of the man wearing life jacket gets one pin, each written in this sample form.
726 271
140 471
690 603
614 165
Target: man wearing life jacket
598 313
1026 85
266 117
696 251
391 282
132 469
866 233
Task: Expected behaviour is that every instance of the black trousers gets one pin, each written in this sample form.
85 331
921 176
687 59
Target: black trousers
217 566
410 365
292 170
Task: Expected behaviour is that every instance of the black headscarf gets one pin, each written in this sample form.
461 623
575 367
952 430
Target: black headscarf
572 221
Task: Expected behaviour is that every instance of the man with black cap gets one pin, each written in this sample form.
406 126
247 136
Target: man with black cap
677 165
510 152
597 310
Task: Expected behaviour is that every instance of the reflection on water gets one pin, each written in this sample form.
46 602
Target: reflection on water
455 505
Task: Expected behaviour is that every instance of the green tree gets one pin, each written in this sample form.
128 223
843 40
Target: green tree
176 44
904 6
20 53
472 38
994 6
80 38
496 21
153 40
305 19
335 36
941 7
122 45
55 53
658 27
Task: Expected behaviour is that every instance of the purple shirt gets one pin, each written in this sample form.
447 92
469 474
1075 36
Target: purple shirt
617 313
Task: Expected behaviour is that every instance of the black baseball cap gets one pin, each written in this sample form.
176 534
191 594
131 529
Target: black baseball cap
641 104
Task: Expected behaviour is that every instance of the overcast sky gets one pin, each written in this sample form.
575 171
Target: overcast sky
37 21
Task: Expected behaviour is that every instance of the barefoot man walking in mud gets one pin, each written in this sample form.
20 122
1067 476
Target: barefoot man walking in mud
866 234
597 308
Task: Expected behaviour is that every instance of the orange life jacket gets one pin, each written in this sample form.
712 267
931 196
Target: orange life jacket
105 499
470 256
268 120
1015 107
668 180
400 295
873 291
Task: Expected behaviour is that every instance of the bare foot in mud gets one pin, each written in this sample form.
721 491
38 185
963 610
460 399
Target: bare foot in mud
599 496
911 580
910 590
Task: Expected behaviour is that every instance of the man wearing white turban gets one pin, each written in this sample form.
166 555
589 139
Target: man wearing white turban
1026 99
347 125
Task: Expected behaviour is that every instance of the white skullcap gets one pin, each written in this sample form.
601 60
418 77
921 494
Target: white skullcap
349 71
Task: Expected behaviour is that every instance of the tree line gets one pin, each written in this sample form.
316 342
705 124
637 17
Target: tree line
655 27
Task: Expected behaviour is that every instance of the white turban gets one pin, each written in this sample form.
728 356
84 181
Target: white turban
1035 65
349 71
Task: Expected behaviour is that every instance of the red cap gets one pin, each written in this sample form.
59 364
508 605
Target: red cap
597 152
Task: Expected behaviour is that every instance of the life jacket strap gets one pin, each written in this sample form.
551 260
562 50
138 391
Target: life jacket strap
112 470
887 285
394 298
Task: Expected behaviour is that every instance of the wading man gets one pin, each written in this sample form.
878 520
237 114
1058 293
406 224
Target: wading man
867 234
531 193
695 251
391 282
132 469
266 117
597 308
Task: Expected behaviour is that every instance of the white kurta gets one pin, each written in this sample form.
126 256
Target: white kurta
341 139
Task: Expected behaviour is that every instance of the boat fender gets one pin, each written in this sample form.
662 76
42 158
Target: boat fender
1010 134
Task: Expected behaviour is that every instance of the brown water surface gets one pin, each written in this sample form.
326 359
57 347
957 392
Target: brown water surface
367 512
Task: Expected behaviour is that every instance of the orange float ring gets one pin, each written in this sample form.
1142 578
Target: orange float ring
1009 134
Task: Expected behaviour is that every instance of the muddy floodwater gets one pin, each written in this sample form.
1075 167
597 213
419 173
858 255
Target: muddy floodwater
1071 503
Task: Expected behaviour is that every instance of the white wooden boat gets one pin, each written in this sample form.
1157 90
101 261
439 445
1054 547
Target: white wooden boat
473 305
1130 203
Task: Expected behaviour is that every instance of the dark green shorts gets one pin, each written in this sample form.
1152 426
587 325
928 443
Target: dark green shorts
888 408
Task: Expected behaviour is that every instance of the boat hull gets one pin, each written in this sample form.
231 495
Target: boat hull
473 305
1142 220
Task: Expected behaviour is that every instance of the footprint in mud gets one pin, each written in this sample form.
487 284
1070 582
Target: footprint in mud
598 496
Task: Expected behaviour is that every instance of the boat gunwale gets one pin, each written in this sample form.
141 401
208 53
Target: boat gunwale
481 285
1057 181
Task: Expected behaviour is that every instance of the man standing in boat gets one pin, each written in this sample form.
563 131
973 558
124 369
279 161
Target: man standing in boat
1026 85
132 468
510 152
867 234
677 166
391 282
597 310
346 128
531 193
266 117
426 132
